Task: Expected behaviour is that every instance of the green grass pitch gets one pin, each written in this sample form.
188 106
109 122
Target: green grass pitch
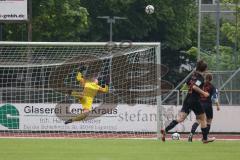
119 149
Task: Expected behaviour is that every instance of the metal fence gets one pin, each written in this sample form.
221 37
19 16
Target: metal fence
226 81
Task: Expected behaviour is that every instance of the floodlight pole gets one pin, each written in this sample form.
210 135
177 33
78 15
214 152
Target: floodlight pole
218 12
1 31
236 34
111 21
218 40
199 29
29 24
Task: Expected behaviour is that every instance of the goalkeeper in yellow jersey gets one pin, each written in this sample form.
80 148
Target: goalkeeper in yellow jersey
90 90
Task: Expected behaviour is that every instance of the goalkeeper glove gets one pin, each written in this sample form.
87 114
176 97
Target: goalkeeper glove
79 76
106 89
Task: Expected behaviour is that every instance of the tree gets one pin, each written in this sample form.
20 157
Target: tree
56 20
53 20
69 20
228 56
171 23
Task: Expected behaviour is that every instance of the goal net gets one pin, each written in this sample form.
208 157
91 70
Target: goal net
37 79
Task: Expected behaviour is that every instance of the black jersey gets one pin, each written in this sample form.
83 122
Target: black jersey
207 101
198 80
208 87
192 100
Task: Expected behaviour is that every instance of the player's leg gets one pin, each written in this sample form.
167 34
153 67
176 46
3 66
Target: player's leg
86 106
209 114
204 128
203 123
80 117
84 114
209 122
77 94
196 124
201 116
193 130
181 117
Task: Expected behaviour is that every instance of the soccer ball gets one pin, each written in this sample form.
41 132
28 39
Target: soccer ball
175 136
149 9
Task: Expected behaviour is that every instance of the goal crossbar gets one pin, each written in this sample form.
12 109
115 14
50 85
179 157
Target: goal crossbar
79 43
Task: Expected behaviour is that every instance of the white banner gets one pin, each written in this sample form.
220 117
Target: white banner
13 10
51 117
125 118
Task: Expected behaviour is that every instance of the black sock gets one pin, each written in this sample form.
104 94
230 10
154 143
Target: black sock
171 125
208 127
194 127
205 133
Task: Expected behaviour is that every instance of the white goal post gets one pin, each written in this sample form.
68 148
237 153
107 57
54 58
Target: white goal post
37 78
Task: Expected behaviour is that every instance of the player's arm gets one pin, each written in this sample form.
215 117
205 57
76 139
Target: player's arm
200 91
80 78
196 88
218 106
215 99
103 89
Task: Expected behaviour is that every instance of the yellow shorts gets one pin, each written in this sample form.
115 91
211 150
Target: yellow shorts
86 103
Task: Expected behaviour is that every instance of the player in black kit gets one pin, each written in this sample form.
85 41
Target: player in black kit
207 104
192 103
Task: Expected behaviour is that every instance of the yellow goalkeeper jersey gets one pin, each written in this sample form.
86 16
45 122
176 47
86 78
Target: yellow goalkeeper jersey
89 92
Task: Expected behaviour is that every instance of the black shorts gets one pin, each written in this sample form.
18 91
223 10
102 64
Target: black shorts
191 104
208 110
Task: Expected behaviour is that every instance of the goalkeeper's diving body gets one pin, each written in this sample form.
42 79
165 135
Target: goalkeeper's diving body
90 90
